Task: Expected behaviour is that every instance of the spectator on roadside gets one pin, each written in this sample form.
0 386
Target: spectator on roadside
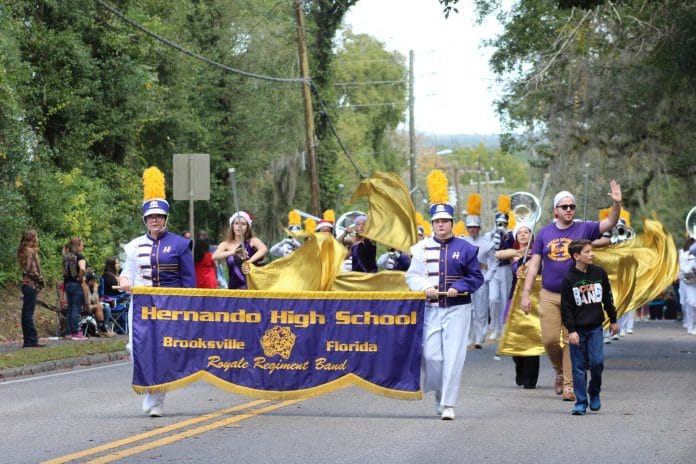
101 311
109 278
74 267
32 284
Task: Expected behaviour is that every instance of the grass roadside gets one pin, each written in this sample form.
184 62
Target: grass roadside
31 356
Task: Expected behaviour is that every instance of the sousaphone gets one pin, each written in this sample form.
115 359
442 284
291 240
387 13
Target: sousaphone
525 207
691 223
345 220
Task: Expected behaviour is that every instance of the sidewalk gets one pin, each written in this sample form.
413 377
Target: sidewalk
57 364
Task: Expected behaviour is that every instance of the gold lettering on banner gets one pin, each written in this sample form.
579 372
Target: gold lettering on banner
200 343
218 363
368 318
321 364
240 316
262 363
334 345
301 320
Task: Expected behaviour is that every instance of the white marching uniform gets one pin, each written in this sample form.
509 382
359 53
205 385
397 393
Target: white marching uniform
687 290
284 247
499 286
488 263
444 264
163 262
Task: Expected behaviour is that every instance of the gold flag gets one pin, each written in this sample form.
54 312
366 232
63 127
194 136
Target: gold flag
312 267
522 332
383 281
391 218
641 268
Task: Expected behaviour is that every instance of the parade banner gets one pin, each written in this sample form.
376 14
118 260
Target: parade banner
278 345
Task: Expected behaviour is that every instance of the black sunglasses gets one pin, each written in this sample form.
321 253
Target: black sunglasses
567 207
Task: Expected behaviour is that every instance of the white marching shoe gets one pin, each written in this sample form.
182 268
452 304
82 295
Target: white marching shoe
448 413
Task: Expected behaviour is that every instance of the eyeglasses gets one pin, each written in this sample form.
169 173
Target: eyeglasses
567 207
159 217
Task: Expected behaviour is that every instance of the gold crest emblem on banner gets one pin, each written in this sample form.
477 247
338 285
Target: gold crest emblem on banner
278 340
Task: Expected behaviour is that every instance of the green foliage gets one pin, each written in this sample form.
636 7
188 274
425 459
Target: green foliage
371 91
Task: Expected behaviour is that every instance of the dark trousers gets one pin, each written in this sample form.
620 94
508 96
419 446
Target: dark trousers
526 370
588 355
76 301
28 307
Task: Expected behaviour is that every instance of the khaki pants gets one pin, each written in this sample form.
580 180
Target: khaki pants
552 330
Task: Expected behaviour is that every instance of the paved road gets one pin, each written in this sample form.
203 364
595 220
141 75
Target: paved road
647 417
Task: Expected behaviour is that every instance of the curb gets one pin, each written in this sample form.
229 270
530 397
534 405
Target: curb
59 364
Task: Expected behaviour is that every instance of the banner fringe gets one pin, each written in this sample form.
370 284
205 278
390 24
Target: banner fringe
344 382
264 294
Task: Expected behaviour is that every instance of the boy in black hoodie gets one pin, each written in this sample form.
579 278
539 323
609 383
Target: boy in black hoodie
585 295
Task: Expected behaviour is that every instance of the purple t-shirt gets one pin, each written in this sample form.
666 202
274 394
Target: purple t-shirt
552 244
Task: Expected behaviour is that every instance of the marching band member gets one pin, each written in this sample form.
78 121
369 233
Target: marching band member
486 258
501 281
446 268
363 251
394 260
239 249
157 259
289 243
326 224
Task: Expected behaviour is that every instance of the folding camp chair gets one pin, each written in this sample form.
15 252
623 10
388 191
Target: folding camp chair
119 308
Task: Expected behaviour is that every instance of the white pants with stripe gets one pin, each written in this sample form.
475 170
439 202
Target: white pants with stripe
445 335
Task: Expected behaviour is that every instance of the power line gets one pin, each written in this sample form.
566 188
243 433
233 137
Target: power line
400 81
190 53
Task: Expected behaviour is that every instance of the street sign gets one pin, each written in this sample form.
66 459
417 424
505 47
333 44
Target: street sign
192 176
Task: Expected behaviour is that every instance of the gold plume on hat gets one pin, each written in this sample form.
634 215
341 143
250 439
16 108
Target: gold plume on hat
473 204
437 187
420 221
623 214
309 225
153 184
504 204
459 229
294 218
329 215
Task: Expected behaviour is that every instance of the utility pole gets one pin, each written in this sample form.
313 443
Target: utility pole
308 111
411 123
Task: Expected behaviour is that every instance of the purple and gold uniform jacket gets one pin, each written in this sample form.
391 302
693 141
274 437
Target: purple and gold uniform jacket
443 264
166 261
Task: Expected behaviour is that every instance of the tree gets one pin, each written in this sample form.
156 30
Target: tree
371 91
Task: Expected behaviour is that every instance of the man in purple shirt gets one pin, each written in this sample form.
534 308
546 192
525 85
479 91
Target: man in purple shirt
551 250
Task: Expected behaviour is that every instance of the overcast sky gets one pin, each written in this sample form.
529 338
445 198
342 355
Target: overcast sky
454 88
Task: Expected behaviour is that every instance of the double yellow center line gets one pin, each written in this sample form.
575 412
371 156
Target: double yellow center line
168 439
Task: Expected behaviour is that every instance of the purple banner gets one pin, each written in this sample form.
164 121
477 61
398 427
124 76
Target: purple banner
278 345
